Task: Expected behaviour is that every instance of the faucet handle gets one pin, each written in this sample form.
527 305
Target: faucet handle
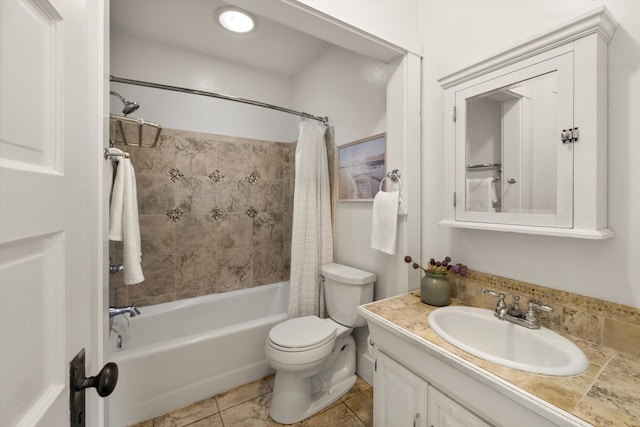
532 306
501 307
500 296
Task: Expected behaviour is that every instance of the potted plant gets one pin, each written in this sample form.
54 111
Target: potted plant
434 286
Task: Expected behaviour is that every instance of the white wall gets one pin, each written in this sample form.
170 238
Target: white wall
606 269
395 21
139 59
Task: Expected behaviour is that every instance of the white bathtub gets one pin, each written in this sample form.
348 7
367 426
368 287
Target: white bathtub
178 353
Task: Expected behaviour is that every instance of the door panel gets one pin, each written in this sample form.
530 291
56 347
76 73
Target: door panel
49 225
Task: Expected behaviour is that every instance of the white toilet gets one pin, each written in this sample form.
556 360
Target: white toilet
315 359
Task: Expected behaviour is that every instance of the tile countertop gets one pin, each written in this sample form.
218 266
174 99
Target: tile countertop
607 394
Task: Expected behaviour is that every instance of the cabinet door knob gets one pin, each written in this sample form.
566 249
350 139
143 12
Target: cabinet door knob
511 181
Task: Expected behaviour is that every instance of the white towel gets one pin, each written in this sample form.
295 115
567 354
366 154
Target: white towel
123 219
402 204
383 223
481 194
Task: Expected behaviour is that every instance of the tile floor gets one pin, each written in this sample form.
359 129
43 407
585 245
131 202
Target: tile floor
248 406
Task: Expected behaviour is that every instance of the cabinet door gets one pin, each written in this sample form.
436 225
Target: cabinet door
400 397
511 164
445 412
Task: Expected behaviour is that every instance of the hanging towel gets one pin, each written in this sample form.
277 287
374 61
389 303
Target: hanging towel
383 223
402 201
481 194
123 219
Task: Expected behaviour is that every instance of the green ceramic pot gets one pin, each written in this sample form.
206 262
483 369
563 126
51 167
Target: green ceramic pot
435 289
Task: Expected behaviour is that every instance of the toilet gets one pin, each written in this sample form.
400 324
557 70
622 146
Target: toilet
314 358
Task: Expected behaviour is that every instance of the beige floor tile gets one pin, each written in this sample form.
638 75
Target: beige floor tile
271 380
212 421
254 413
338 415
242 394
360 386
362 405
185 416
248 406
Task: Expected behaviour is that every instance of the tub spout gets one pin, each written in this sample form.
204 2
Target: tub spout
115 311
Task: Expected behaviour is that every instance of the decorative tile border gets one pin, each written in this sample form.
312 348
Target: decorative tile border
604 322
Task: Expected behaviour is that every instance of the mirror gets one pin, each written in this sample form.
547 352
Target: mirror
514 165
511 139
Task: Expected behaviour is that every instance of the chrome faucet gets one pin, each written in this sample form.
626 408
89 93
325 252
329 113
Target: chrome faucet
115 311
513 314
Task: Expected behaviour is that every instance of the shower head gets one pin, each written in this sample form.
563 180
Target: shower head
129 106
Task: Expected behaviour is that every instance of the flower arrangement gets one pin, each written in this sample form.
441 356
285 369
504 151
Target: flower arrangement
442 268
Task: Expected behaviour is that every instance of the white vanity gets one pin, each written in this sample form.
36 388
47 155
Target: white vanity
526 135
420 380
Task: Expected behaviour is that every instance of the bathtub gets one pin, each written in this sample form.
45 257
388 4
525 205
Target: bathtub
178 353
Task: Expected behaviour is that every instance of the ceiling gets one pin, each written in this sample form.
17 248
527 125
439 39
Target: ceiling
191 24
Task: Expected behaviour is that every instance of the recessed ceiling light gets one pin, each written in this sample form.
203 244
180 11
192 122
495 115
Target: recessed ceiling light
235 19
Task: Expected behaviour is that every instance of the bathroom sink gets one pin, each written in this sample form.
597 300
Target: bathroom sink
479 332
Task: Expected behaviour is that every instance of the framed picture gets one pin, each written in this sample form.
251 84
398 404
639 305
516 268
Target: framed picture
361 168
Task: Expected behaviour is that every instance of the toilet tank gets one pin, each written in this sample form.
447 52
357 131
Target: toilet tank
345 288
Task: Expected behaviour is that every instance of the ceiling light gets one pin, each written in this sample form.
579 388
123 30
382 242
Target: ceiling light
235 19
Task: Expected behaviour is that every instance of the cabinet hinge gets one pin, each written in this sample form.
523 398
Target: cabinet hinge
454 113
569 135
454 199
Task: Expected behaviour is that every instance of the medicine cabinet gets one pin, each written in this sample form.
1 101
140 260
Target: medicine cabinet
526 135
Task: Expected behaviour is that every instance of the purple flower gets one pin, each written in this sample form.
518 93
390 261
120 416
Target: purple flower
439 267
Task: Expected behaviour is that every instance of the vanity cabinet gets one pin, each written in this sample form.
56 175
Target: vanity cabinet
416 381
446 412
402 398
526 135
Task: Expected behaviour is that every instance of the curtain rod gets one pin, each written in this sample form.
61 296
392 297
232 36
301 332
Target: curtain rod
324 120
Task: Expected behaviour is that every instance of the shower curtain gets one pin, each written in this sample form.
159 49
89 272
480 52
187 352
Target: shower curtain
311 235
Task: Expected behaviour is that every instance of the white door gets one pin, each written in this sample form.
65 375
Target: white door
50 231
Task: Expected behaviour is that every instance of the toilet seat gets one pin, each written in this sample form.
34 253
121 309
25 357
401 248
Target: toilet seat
302 334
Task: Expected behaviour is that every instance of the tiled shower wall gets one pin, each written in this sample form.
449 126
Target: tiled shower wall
215 216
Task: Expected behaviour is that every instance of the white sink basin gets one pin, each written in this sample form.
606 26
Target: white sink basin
479 332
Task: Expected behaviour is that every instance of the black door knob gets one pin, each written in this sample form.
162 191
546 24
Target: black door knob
104 382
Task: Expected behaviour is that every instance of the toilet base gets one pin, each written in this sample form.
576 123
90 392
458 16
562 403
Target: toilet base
293 406
296 397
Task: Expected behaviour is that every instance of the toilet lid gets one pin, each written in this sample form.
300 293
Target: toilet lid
302 332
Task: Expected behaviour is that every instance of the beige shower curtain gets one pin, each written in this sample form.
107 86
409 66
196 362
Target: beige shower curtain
311 235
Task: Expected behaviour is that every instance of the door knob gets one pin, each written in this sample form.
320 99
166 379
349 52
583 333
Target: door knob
104 382
511 181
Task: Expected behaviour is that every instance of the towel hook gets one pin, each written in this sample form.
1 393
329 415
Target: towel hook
394 175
